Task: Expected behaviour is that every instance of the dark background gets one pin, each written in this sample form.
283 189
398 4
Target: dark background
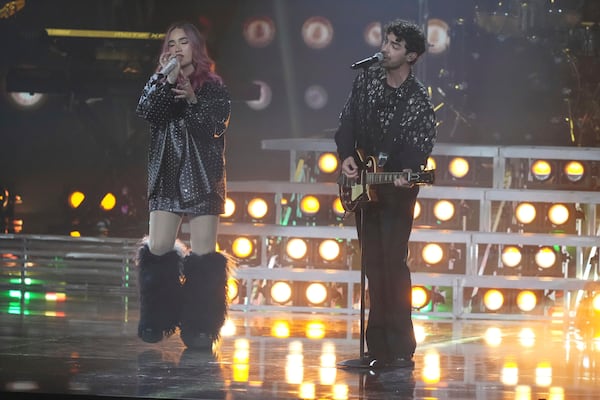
509 77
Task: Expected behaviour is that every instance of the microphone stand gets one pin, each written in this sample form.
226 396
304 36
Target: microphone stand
362 362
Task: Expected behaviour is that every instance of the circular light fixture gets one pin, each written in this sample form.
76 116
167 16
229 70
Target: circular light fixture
458 167
329 249
26 100
338 208
328 163
511 256
257 208
437 36
432 253
296 248
417 210
316 293
229 208
431 163
242 247
558 214
281 292
232 289
420 297
541 170
444 210
108 202
574 171
76 198
493 299
545 257
525 213
309 205
526 300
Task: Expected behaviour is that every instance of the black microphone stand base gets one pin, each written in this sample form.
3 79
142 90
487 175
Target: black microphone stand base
356 363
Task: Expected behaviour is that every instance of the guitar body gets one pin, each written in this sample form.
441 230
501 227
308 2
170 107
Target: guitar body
356 192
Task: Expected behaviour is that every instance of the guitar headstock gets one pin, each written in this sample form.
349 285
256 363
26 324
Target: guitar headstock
424 177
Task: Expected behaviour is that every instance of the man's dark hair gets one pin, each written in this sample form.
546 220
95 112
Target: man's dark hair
410 32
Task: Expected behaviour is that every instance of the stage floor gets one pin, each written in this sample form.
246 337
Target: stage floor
87 347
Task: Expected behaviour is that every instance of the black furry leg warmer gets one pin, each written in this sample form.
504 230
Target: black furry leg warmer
205 300
160 294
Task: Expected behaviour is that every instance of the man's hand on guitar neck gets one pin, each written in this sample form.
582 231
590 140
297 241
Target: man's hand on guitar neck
402 180
349 167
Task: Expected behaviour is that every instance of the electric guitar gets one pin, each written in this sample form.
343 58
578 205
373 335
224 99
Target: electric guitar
355 192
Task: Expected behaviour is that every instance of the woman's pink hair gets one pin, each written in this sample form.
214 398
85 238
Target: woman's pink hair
204 66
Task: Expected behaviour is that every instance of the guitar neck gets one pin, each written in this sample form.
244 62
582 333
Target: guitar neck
374 178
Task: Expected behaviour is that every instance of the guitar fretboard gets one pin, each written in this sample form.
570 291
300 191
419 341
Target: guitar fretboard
383 177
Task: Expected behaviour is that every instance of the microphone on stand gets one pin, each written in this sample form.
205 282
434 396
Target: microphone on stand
169 66
367 62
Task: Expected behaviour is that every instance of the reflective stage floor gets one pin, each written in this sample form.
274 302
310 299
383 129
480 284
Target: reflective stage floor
90 349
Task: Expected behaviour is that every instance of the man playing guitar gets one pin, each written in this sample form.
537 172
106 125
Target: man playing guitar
389 117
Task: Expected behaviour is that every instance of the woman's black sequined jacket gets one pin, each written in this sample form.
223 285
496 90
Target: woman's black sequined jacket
186 155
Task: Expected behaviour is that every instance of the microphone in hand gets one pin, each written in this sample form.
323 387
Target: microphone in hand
168 67
367 62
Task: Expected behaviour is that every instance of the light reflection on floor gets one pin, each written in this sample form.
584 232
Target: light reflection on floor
93 351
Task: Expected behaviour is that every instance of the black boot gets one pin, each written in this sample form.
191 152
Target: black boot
204 299
160 294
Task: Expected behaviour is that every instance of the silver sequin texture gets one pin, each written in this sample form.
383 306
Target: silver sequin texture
186 162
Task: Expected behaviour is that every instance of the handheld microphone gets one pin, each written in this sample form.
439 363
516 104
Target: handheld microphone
168 66
367 62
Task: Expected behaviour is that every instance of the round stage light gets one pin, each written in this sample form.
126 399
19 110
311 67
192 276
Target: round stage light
458 167
541 170
316 293
338 208
257 208
511 256
431 163
296 248
545 257
229 208
26 100
232 289
420 297
281 292
432 253
108 202
444 210
76 198
574 171
558 214
328 163
493 299
417 210
242 247
525 213
309 205
438 36
526 300
329 249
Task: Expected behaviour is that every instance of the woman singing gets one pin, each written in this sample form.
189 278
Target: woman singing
187 106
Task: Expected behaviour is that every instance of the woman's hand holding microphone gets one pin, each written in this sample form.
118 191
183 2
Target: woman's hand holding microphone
172 68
